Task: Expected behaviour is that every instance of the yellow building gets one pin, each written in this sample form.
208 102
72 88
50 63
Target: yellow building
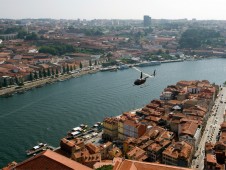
110 129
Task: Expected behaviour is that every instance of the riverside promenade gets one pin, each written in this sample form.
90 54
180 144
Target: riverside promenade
42 82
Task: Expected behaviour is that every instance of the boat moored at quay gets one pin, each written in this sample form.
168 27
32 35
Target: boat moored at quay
148 63
38 148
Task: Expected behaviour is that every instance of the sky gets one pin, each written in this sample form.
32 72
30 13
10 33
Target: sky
113 9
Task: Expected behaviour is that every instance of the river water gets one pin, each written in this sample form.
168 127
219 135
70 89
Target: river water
46 114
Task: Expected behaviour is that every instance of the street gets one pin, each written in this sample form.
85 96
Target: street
212 128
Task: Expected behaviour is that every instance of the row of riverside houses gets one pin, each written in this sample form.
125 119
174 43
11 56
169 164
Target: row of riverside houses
163 134
168 130
20 62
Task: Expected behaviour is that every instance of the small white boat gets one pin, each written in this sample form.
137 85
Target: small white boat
37 148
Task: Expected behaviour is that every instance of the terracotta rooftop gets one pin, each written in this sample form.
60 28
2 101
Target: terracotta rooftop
92 148
67 142
189 128
137 154
179 149
82 153
184 83
92 158
50 160
111 120
136 165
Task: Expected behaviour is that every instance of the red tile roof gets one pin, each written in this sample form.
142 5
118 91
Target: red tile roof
136 165
50 160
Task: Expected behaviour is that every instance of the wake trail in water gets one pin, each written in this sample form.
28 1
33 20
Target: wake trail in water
25 106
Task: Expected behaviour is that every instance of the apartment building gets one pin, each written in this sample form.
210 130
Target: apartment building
178 154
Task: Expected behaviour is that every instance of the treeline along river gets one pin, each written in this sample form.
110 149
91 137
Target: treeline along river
46 114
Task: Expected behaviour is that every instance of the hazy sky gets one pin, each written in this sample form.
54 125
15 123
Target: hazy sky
113 9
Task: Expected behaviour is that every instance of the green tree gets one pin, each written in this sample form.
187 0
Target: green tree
95 62
57 72
80 65
22 34
105 167
71 68
90 63
48 72
5 82
21 81
44 73
159 52
49 50
31 76
17 80
32 36
40 74
35 75
68 68
64 69
53 73
198 37
11 81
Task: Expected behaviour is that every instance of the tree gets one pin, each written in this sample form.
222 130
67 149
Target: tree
90 63
44 73
64 69
11 81
35 75
71 68
57 72
40 74
53 73
199 37
49 50
17 80
5 82
21 81
31 76
159 52
95 62
80 65
21 34
32 36
48 72
105 167
68 68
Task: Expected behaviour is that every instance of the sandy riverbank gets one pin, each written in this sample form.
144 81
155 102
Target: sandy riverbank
41 82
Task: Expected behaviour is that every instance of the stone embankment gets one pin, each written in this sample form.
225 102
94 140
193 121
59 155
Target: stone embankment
41 82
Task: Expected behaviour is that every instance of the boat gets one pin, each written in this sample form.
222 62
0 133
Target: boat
84 126
148 63
108 68
123 66
77 131
113 70
38 148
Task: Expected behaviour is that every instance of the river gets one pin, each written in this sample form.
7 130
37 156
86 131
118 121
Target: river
46 114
